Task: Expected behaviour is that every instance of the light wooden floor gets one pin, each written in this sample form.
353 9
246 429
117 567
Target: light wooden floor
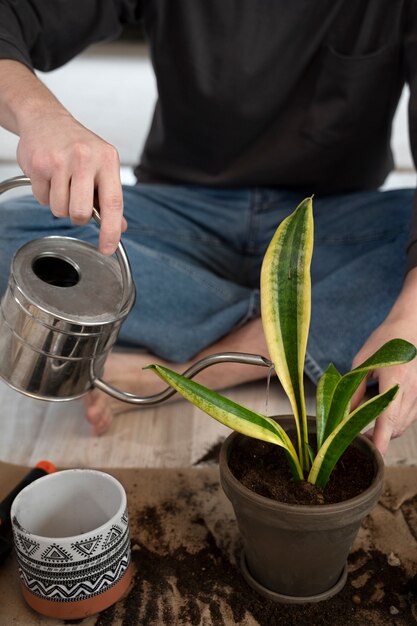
169 435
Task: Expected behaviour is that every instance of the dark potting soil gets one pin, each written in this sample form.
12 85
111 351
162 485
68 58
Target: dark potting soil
263 468
182 587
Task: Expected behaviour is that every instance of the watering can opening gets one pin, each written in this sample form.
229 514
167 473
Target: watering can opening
56 270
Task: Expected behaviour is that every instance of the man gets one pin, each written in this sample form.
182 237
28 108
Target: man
260 104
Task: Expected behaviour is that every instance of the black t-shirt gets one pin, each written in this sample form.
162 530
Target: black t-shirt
273 93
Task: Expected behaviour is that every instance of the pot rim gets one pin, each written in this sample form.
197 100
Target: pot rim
323 510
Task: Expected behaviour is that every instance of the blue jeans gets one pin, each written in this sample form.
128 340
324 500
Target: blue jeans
196 255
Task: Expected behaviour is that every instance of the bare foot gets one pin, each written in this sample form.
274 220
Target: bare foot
125 372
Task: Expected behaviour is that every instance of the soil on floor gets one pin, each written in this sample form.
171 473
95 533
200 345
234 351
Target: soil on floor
193 587
186 573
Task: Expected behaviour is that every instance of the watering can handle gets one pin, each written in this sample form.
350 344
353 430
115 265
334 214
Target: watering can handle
21 181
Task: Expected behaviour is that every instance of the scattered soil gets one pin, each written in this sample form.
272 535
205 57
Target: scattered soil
186 547
189 587
211 457
263 468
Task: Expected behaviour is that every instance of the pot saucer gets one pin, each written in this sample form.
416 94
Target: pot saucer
283 599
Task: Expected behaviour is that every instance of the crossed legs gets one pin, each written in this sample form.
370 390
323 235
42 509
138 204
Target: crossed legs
196 257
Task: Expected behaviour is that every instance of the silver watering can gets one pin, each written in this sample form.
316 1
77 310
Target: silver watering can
61 314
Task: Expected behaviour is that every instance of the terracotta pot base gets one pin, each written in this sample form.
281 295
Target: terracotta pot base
283 599
81 608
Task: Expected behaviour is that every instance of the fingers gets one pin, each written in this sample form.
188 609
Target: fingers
81 198
67 164
387 424
391 424
109 192
359 394
75 199
397 417
110 198
41 189
402 412
59 195
383 431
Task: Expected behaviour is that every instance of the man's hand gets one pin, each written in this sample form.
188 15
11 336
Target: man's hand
66 163
400 323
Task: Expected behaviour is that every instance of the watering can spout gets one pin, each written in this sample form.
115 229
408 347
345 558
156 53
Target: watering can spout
193 370
58 324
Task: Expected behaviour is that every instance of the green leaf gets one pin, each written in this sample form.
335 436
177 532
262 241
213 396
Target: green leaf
231 414
334 446
311 453
286 309
394 352
324 396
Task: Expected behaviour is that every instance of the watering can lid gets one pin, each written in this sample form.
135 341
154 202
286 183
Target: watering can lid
70 279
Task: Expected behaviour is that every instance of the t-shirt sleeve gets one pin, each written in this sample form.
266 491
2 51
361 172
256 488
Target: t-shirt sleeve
45 34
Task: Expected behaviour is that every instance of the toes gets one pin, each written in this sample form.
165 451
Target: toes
101 425
98 412
99 428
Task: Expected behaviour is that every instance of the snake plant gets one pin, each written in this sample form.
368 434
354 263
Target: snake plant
285 310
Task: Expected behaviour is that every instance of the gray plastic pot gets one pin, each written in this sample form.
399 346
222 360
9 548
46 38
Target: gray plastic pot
297 553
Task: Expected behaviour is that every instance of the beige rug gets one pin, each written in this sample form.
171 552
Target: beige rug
185 548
